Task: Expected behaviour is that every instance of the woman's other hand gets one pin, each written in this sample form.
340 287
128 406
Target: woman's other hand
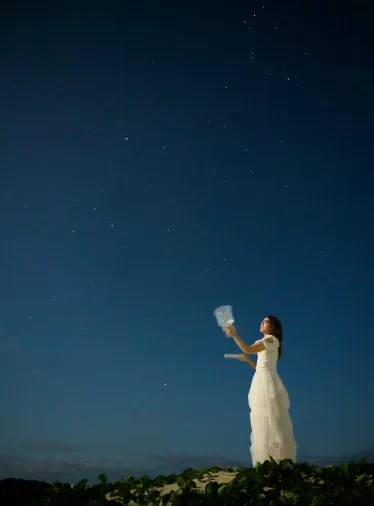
229 331
242 358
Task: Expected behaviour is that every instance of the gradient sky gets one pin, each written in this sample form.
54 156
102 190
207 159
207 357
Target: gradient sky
157 162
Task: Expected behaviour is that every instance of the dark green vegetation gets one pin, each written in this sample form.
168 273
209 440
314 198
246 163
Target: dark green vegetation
269 484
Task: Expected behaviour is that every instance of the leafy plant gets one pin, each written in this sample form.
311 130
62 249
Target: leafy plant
272 483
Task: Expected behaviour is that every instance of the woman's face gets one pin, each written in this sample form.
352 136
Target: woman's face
265 327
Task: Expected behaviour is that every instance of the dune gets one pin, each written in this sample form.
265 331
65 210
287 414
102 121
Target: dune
221 477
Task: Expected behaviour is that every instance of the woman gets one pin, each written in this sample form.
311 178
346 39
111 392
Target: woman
272 430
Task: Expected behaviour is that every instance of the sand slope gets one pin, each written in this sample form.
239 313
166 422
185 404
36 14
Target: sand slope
220 477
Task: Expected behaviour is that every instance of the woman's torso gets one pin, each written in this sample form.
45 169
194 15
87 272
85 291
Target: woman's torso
267 360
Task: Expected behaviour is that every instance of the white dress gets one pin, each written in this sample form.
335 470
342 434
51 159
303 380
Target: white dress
272 430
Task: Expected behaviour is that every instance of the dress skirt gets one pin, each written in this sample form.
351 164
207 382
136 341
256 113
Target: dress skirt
272 429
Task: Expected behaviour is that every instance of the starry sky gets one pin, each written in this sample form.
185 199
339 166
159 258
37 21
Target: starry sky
158 161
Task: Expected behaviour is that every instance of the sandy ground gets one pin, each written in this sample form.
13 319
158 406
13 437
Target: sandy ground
220 477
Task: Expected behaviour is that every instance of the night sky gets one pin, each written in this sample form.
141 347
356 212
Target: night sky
158 161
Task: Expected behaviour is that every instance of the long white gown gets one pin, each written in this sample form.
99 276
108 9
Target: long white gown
272 430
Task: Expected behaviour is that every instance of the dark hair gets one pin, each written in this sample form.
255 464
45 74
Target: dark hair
276 331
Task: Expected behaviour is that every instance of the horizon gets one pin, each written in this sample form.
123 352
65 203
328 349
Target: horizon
73 470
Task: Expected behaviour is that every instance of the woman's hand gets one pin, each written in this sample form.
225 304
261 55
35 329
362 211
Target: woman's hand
230 331
242 358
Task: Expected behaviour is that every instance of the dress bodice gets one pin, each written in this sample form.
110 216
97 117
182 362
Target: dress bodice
267 359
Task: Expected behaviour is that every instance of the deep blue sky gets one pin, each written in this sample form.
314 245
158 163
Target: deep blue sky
159 161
